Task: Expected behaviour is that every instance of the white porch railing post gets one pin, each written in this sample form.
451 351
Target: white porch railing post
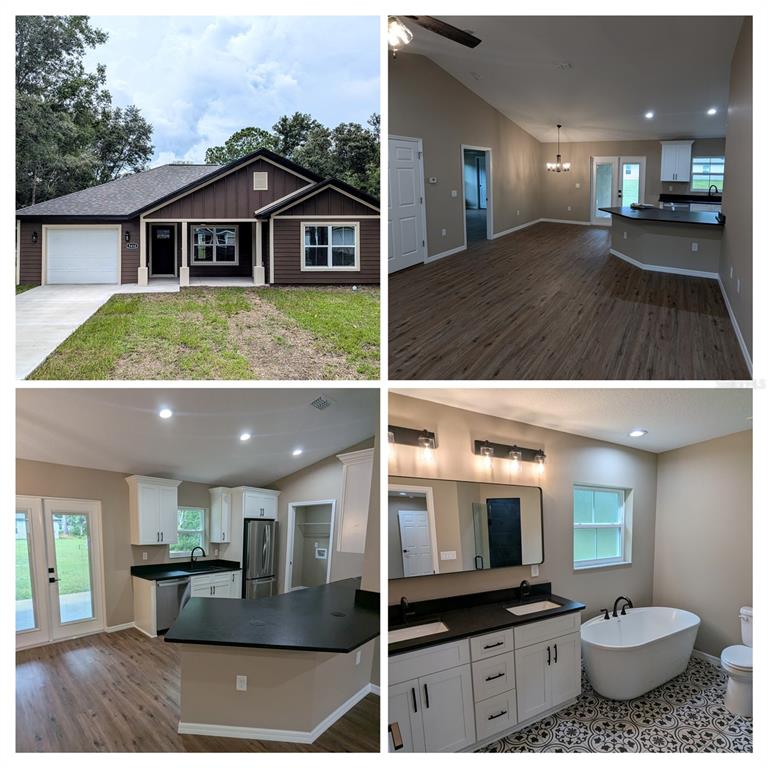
258 268
184 269
143 271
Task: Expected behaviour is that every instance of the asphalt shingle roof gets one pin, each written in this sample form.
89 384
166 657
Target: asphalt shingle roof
125 195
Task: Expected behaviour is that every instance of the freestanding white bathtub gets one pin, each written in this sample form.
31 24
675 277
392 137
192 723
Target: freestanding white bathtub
630 655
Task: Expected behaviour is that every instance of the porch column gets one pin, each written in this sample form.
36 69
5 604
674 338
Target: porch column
184 269
143 271
258 266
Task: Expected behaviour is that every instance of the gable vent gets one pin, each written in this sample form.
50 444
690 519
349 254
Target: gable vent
321 403
260 181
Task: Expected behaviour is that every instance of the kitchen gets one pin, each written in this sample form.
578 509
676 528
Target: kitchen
123 560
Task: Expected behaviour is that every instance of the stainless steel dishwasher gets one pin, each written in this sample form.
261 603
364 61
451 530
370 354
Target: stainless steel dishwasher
171 597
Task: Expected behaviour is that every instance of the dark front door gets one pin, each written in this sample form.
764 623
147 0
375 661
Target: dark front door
163 253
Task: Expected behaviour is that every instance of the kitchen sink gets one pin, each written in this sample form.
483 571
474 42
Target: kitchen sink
418 630
526 608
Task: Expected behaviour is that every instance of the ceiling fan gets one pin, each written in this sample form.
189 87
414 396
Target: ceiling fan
399 34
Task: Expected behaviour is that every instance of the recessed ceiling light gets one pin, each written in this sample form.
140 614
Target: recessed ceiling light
638 432
165 413
711 111
649 115
244 436
298 451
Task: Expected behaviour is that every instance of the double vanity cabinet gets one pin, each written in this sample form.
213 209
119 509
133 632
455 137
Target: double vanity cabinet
460 693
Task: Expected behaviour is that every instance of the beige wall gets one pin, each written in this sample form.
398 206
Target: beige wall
703 557
570 459
426 102
737 196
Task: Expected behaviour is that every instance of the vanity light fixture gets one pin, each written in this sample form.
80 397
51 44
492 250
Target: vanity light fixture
712 111
638 432
245 437
390 437
165 413
416 438
513 453
297 452
559 166
426 440
486 449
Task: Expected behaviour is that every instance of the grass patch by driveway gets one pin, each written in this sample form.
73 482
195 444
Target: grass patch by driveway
23 287
224 333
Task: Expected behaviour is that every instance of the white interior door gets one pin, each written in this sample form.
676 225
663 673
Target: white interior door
407 242
416 542
605 188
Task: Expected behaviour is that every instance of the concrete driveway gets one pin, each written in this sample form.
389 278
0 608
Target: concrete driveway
48 314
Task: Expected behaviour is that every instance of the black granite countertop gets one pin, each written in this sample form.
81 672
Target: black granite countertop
330 618
666 215
672 197
161 571
468 615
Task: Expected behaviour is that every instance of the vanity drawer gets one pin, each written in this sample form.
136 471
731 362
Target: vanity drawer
539 631
495 715
493 676
492 644
408 666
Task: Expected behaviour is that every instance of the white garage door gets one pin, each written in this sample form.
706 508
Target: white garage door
82 255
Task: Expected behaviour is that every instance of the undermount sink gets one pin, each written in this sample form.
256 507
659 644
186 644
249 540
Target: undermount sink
542 605
419 630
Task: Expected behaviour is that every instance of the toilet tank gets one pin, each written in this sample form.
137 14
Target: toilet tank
745 616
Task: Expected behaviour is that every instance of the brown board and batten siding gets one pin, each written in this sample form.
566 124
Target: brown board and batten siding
233 196
129 257
329 203
30 254
288 253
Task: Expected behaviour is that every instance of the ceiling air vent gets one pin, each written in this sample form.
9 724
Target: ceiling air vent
321 403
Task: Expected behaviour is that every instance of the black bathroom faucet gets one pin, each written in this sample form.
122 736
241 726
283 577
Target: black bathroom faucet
627 603
524 589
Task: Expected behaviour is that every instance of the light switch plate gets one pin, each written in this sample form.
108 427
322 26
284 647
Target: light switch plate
357 657
534 571
578 185
144 555
443 232
241 682
454 193
448 555
694 247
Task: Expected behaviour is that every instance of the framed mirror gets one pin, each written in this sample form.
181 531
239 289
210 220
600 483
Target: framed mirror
450 526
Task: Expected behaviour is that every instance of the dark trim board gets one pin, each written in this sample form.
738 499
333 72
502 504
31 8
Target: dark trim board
550 302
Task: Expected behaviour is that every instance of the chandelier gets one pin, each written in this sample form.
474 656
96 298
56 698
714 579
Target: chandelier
559 166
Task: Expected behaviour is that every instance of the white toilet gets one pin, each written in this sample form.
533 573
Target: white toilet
736 661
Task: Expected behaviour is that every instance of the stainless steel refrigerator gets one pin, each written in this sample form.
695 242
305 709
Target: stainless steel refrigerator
259 558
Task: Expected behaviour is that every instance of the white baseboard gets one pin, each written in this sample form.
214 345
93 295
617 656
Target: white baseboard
443 254
569 221
515 229
735 324
706 657
120 627
144 631
666 270
274 734
374 689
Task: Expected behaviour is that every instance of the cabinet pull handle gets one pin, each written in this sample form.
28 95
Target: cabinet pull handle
549 656
493 645
397 738
494 677
498 714
162 535
413 696
426 696
555 653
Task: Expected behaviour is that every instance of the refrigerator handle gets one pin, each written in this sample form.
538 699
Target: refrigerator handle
265 550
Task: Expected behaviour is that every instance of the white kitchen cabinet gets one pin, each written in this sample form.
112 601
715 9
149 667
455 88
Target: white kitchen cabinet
250 502
406 729
676 160
356 480
153 505
214 584
221 516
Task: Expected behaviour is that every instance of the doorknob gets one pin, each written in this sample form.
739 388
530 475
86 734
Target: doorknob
51 579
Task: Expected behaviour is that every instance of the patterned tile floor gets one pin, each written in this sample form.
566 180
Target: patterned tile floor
684 715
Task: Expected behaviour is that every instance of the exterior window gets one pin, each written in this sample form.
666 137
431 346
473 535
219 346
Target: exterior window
214 245
191 528
601 526
706 171
330 246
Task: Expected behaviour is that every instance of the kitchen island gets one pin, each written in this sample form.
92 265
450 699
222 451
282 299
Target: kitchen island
679 241
281 668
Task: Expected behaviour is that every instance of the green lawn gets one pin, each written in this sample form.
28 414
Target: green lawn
225 333
72 563
22 287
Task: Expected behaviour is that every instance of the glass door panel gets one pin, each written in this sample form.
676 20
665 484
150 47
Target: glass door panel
32 614
26 618
604 188
631 180
72 551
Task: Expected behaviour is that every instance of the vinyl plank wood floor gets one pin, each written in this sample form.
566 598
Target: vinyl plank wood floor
120 693
549 302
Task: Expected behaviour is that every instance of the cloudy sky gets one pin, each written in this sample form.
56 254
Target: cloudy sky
198 80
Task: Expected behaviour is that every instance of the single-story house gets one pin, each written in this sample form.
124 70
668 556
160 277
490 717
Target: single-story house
261 217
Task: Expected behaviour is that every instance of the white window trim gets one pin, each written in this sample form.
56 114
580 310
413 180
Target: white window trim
329 268
625 528
203 532
691 188
215 262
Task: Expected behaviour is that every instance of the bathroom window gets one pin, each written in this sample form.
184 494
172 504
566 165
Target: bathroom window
601 526
191 529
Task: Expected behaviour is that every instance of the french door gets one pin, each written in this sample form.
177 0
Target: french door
616 181
59 578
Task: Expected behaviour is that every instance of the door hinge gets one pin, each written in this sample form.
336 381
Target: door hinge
423 243
419 154
421 200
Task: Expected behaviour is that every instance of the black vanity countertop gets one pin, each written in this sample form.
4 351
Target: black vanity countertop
468 615
161 571
331 618
666 215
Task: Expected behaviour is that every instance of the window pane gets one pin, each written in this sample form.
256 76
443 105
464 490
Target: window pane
608 542
187 541
315 235
584 545
73 566
343 257
582 506
225 253
203 236
190 519
607 507
316 257
203 253
343 235
25 609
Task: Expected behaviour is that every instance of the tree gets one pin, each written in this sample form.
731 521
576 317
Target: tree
68 134
241 143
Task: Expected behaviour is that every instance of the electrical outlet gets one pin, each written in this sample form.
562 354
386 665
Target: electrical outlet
443 232
454 193
694 247
569 208
625 235
144 555
216 551
241 682
738 285
358 656
578 185
518 213
670 188
534 571
731 275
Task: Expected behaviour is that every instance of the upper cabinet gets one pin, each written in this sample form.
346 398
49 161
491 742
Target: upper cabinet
676 160
221 516
254 502
153 504
355 499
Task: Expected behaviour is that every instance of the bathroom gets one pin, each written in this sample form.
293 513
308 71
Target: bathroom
614 493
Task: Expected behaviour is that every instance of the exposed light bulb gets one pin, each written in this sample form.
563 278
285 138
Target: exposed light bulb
398 34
